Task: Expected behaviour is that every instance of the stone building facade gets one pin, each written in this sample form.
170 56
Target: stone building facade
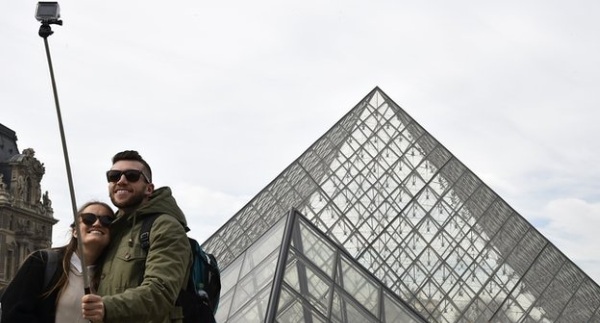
26 215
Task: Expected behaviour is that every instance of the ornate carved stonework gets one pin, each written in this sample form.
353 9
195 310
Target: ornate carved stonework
26 216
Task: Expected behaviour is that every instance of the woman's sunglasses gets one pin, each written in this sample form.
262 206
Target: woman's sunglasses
132 175
90 218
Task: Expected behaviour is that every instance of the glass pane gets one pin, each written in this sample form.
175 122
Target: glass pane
307 282
359 286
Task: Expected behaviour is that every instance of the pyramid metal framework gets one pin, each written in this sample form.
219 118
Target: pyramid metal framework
379 222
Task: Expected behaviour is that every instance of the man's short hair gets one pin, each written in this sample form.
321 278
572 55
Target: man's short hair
134 155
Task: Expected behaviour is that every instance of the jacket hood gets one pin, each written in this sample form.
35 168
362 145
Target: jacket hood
162 202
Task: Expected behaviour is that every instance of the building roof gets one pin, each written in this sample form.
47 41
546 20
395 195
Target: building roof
8 143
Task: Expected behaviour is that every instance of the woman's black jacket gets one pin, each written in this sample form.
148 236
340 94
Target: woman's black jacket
23 300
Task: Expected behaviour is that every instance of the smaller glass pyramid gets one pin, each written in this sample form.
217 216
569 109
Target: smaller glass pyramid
294 273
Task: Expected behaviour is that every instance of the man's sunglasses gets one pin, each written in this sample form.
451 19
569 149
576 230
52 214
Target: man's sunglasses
132 175
90 218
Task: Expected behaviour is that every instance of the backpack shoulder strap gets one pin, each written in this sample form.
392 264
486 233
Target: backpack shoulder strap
145 230
51 266
147 222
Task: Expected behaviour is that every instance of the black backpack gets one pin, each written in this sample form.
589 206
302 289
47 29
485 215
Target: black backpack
200 296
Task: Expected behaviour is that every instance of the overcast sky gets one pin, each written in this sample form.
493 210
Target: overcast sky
221 96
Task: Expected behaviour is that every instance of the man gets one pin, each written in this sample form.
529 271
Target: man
127 296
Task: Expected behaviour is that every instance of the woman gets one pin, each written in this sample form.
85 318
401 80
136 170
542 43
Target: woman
26 299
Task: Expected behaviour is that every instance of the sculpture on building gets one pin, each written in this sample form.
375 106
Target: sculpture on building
46 202
21 188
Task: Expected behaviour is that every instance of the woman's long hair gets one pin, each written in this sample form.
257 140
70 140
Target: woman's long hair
68 251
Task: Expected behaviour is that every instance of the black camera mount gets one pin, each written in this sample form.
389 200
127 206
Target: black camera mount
46 30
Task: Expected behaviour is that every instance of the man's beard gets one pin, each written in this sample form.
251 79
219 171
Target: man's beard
130 203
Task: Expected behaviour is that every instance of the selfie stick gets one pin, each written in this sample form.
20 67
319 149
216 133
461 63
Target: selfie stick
48 13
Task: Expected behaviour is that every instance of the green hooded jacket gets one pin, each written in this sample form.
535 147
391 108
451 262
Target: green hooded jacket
129 297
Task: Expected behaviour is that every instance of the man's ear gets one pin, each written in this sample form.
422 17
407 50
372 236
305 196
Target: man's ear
149 189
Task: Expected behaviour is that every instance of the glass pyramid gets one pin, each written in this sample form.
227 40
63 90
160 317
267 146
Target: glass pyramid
378 222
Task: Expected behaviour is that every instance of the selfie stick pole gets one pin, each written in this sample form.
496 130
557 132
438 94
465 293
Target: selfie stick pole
45 31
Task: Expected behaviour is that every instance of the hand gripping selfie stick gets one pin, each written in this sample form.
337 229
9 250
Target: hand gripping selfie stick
48 13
